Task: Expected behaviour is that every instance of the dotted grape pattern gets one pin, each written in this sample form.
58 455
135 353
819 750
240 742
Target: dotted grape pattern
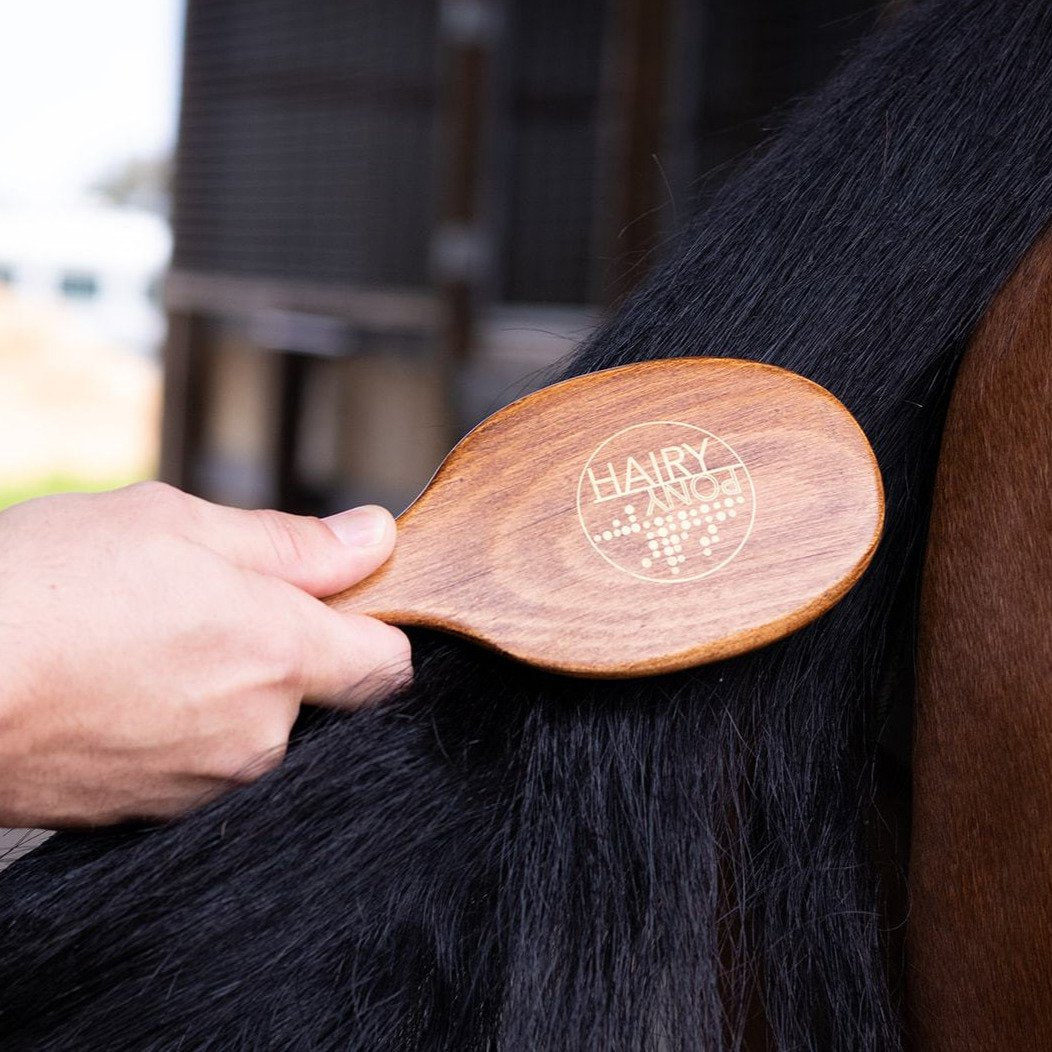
668 541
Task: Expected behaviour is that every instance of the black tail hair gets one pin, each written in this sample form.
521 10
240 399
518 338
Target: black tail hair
506 859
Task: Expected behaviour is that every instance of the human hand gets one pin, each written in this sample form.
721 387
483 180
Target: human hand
155 648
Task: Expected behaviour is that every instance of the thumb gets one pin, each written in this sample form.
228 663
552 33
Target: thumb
320 556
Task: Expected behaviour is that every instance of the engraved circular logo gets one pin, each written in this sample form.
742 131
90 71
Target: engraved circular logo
666 501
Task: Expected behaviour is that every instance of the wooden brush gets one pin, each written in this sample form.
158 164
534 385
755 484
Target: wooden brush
639 520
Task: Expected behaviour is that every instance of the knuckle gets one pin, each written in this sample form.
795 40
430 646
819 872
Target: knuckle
163 549
290 655
154 496
260 750
292 539
266 749
399 653
388 664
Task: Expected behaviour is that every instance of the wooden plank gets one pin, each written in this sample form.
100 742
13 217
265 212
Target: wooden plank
380 310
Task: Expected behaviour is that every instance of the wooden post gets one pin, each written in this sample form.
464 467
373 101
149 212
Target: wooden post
183 398
460 249
633 107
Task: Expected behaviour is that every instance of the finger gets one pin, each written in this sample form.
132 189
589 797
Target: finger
344 660
320 556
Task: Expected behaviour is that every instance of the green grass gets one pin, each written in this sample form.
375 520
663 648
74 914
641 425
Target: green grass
15 494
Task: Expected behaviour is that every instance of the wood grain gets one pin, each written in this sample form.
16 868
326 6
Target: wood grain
980 928
639 520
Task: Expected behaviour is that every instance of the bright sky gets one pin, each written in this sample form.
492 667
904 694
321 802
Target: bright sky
84 86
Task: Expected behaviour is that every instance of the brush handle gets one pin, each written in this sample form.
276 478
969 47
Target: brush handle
410 583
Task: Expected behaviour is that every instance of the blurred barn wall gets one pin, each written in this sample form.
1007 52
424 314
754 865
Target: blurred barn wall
391 218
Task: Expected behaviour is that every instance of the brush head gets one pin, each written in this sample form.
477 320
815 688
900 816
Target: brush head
639 520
